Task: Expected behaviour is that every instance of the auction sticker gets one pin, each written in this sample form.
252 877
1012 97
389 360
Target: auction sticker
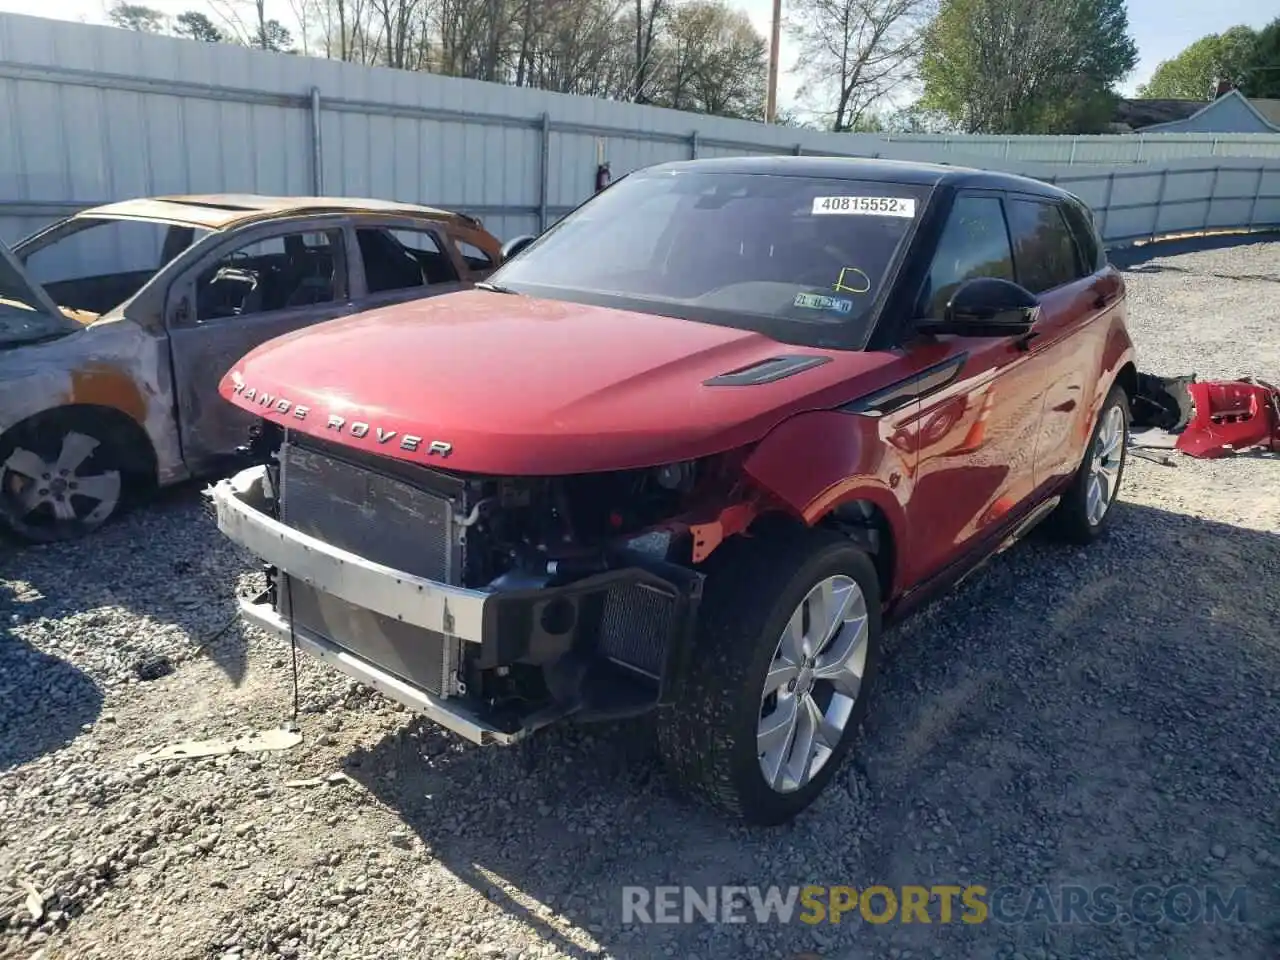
865 206
816 301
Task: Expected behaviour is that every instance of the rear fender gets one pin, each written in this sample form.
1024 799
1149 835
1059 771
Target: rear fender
1117 355
814 462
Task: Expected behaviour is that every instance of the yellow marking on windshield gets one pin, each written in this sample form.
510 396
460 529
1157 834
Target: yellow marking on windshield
852 280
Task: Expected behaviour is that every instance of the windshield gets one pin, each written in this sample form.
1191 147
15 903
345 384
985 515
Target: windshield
800 259
94 264
24 313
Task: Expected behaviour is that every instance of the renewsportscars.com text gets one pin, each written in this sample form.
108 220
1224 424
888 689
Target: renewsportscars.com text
934 904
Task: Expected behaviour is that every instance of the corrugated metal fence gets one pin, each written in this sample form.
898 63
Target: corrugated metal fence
1139 148
92 114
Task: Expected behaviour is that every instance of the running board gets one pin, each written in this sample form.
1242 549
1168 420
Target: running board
1018 532
1033 518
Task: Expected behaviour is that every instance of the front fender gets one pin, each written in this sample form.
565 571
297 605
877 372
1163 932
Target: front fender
814 462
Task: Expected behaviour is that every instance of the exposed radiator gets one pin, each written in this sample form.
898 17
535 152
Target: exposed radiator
420 657
368 513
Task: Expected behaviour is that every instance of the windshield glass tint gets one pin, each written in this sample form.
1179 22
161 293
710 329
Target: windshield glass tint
799 259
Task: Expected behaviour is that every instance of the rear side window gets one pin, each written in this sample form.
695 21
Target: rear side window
401 259
476 258
974 243
1080 220
1043 249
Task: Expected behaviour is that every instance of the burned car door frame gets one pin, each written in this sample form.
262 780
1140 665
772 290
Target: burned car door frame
202 348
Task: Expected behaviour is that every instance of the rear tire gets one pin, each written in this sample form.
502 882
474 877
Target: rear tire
763 614
1088 503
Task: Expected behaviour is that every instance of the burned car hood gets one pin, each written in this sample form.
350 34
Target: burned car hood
488 382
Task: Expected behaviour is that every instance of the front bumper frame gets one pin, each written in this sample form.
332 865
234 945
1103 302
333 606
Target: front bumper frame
242 505
504 626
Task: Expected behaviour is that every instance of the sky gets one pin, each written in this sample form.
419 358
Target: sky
1161 28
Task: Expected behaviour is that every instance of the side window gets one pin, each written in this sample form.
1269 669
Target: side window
401 259
974 243
475 258
279 273
1085 232
1043 250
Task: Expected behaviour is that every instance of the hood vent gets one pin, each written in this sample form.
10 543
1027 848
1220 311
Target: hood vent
766 371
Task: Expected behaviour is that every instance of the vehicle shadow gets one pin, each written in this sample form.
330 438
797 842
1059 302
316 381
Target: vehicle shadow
1066 716
164 560
44 701
1133 257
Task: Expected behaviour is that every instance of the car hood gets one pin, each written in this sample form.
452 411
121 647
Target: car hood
498 383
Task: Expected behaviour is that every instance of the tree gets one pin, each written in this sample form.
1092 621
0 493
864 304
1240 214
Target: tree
1262 65
855 52
134 16
273 35
1194 73
1026 66
646 24
710 60
696 55
196 26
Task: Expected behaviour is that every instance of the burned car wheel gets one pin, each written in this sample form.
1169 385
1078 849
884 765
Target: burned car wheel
61 476
1086 506
775 687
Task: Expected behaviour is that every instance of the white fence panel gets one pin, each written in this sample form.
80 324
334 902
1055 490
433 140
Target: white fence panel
93 114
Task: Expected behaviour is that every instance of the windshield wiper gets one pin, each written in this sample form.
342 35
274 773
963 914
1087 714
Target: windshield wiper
494 288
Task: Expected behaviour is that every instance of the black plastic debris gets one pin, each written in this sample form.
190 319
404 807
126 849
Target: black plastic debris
1163 402
152 668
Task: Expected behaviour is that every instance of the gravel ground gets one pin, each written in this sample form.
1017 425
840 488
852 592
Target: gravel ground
1099 717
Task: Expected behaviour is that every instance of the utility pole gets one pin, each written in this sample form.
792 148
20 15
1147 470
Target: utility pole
771 97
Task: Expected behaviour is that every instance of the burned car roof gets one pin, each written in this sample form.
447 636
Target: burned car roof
219 211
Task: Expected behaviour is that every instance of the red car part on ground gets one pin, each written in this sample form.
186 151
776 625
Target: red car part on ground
1231 415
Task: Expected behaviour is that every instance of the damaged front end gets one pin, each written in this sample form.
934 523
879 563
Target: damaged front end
493 605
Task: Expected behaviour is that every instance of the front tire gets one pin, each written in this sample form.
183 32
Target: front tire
61 477
1082 515
775 688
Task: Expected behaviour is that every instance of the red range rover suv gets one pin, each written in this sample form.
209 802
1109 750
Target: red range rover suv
689 451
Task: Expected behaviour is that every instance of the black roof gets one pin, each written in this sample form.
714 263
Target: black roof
1137 113
866 168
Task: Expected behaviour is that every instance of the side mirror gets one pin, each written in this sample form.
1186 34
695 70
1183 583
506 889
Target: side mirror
515 245
986 307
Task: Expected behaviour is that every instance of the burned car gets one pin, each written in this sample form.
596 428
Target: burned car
689 452
118 323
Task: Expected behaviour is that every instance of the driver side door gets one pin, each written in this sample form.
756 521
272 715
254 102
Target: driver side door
258 285
977 434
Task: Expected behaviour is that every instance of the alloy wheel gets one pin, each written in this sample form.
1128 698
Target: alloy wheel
1107 457
813 683
40 495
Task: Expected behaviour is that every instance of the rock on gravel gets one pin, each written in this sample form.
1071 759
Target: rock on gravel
1098 717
